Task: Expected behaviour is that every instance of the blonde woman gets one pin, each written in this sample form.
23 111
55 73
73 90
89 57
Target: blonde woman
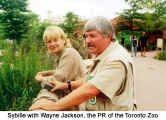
69 68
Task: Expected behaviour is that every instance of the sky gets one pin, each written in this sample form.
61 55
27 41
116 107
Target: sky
83 8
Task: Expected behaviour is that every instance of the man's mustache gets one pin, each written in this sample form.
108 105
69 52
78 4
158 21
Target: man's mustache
90 45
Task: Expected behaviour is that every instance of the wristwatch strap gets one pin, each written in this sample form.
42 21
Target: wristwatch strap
69 84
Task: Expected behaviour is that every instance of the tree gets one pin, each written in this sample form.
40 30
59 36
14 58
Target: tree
7 5
14 19
128 16
71 24
143 15
160 14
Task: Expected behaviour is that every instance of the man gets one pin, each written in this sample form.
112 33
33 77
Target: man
143 44
110 85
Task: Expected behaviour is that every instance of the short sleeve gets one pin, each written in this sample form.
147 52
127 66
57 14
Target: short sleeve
110 78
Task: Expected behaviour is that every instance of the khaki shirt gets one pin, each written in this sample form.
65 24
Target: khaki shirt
70 67
113 76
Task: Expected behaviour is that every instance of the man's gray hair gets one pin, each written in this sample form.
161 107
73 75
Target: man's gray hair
100 24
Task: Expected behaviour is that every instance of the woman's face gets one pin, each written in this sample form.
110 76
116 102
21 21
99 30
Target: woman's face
56 45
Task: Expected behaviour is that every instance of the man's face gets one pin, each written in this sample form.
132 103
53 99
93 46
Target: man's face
55 45
96 42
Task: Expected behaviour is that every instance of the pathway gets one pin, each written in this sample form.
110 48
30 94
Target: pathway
150 82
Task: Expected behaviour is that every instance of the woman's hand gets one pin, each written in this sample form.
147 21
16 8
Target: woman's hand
58 85
39 78
40 75
46 73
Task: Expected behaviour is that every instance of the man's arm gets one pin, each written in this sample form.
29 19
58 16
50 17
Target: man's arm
61 85
83 93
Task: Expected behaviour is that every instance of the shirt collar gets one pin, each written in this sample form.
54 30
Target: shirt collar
108 50
61 53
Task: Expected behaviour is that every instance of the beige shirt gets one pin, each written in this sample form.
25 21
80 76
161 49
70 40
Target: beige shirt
113 76
70 67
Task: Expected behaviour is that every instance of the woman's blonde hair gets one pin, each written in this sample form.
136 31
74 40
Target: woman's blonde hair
53 32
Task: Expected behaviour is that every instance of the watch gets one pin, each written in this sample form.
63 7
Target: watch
69 84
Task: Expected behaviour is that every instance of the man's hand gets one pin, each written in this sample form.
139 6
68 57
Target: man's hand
35 106
41 104
58 85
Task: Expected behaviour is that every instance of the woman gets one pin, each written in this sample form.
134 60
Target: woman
134 46
69 68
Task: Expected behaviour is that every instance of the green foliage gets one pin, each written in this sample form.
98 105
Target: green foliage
151 46
3 44
141 4
160 14
147 15
129 15
39 29
148 22
162 55
13 4
13 19
157 55
15 24
156 20
17 84
126 35
35 33
71 24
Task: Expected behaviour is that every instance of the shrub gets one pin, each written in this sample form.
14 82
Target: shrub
17 84
127 39
3 44
162 55
157 55
151 46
